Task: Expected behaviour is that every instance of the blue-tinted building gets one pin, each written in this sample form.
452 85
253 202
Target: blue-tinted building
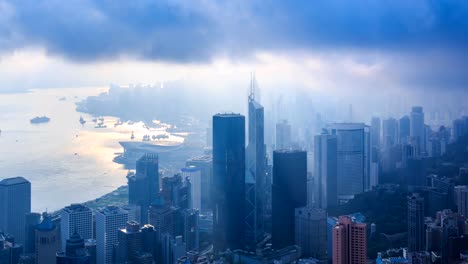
289 191
143 187
326 170
255 174
228 181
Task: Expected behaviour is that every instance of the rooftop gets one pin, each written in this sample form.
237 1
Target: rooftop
13 181
74 208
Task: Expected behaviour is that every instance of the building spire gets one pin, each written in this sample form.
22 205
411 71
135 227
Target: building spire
252 86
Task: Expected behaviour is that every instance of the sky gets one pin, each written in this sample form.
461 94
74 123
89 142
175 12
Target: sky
333 46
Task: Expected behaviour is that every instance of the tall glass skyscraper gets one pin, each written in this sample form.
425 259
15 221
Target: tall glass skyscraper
418 130
228 181
15 203
289 191
143 187
255 174
326 170
353 158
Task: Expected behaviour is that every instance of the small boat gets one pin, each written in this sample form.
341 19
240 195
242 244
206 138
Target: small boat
40 119
100 125
82 121
146 138
133 136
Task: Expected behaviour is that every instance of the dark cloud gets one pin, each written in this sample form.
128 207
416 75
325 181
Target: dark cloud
196 31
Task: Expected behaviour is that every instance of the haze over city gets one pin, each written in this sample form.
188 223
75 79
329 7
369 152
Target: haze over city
233 132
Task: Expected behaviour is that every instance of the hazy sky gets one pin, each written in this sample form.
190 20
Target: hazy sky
338 46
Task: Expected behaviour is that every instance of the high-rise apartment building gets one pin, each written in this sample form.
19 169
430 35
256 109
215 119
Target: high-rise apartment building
108 221
76 218
228 181
326 169
256 173
416 231
289 191
15 203
349 242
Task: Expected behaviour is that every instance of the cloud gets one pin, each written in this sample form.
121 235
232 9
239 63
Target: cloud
192 31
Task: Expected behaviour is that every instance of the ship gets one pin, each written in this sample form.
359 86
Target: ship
133 150
82 121
40 119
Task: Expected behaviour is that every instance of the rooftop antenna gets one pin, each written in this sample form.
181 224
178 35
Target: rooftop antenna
252 87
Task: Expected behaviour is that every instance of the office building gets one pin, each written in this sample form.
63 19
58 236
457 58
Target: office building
162 218
108 221
311 232
459 128
416 230
462 200
404 130
375 131
390 132
349 242
193 173
135 244
143 187
353 160
90 246
76 218
190 235
47 241
32 220
289 191
9 251
283 135
326 171
418 130
176 191
15 203
228 181
75 251
205 164
255 173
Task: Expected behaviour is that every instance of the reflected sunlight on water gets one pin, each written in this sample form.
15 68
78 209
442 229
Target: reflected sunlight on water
65 161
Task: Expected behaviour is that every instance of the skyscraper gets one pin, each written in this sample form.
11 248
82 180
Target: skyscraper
417 130
283 135
75 251
326 169
416 232
349 242
15 203
404 127
194 174
375 137
144 185
390 132
256 173
311 232
32 220
353 160
229 181
108 221
76 218
190 220
134 243
289 191
462 200
47 241
205 164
